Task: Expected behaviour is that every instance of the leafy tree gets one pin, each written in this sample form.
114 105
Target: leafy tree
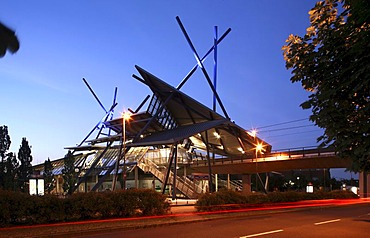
10 172
69 173
4 141
25 168
49 181
8 40
4 146
332 61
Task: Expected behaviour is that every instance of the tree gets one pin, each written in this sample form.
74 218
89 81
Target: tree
49 181
4 141
10 172
332 61
8 40
25 168
4 146
69 173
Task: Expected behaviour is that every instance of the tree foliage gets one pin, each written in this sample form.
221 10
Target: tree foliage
332 61
4 140
4 146
69 173
25 168
49 181
8 40
10 172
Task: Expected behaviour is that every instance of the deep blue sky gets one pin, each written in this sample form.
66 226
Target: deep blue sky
44 99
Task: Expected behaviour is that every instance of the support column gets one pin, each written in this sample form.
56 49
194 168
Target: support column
246 182
174 173
228 181
97 180
136 171
364 183
57 187
267 182
216 182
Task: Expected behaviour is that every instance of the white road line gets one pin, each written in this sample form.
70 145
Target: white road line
325 222
261 234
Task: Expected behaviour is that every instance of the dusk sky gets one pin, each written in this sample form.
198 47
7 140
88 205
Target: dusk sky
44 99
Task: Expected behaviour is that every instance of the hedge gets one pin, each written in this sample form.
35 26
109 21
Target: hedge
20 209
228 199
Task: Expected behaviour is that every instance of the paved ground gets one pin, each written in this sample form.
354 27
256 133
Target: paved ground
181 211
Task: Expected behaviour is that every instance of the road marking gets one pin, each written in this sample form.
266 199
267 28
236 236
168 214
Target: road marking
325 222
261 234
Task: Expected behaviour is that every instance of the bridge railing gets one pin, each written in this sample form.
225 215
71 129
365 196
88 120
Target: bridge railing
291 153
302 152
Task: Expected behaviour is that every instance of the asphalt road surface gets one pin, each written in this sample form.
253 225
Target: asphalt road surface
341 221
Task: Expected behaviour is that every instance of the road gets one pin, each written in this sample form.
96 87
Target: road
341 221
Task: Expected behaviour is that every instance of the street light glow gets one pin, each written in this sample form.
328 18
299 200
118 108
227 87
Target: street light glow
252 133
126 116
259 147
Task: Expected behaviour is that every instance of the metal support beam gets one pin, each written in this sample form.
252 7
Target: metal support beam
92 167
174 173
164 183
200 63
105 118
93 93
192 71
142 104
152 119
210 184
215 67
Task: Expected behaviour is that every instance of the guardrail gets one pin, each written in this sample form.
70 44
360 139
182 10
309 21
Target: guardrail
287 154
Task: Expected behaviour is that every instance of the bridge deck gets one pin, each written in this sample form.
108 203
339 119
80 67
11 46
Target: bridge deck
274 162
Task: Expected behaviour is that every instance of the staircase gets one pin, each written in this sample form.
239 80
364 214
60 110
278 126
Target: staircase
184 185
234 184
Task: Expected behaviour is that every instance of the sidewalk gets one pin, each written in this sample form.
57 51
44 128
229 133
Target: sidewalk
181 211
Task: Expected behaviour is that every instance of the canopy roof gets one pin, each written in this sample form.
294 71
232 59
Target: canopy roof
173 116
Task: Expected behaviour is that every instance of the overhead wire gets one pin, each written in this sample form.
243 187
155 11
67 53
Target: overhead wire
269 133
286 128
283 123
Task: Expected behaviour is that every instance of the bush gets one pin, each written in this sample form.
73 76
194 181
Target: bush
228 199
15 207
50 209
19 208
125 203
152 203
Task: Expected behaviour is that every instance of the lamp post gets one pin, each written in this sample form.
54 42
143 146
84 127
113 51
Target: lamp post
259 148
125 116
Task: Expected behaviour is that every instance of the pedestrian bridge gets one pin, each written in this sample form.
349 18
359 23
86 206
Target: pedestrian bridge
313 158
278 161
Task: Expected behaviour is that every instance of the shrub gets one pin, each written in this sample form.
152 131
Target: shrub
15 207
125 203
19 208
152 203
218 200
89 206
208 202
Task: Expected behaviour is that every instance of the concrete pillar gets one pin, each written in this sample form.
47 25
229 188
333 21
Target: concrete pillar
216 182
246 182
97 180
58 185
228 181
364 183
136 171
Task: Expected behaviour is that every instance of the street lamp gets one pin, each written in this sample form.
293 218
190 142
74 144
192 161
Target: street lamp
125 117
259 148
